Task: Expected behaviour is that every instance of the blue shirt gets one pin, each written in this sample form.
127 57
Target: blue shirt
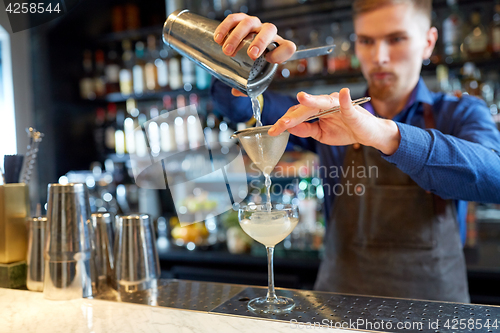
458 160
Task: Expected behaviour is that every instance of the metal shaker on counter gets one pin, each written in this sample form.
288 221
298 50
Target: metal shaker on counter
104 236
35 261
193 37
137 265
70 267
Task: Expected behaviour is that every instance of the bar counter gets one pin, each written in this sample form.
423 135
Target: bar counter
192 306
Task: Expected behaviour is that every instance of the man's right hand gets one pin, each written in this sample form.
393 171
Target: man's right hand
236 27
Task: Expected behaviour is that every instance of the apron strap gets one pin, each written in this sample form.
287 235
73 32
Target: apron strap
430 122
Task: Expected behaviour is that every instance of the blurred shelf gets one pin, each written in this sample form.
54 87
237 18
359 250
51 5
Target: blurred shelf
156 95
356 76
324 11
136 34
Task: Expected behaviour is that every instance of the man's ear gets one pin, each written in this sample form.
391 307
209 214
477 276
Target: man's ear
430 42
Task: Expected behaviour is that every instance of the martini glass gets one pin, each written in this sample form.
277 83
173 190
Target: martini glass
269 227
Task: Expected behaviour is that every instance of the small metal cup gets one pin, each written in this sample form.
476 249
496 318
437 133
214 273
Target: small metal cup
137 266
36 240
104 235
70 269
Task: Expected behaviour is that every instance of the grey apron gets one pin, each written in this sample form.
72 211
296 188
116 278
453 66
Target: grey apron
388 237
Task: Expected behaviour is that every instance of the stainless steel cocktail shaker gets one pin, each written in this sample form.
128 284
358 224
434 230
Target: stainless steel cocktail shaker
104 237
70 268
193 37
35 261
137 263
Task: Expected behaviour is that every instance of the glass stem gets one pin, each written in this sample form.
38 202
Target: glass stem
271 295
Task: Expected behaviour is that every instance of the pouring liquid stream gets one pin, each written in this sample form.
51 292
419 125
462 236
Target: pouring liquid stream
257 115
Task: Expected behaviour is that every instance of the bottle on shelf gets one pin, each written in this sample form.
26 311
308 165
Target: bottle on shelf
129 125
443 78
211 130
188 73
339 59
110 128
117 18
132 17
471 79
126 86
315 65
495 30
86 82
112 71
150 69
99 74
167 132
161 64
203 78
180 124
153 130
100 120
452 33
138 69
120 144
174 71
476 41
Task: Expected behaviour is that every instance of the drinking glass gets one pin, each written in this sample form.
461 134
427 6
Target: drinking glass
269 226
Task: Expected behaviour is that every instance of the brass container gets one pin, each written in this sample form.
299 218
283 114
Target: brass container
14 210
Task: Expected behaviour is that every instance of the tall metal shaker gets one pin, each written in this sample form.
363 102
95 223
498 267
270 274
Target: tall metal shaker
70 267
36 240
192 36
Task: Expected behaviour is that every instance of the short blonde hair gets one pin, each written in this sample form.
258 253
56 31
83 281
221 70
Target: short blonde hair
363 6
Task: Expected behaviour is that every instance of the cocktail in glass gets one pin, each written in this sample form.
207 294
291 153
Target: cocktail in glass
269 227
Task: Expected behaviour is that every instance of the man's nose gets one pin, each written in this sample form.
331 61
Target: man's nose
380 53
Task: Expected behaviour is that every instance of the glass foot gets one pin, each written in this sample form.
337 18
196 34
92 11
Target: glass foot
273 305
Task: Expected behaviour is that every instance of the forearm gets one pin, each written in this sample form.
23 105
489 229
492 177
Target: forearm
450 167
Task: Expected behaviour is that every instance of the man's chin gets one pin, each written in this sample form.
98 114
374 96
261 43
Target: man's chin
381 92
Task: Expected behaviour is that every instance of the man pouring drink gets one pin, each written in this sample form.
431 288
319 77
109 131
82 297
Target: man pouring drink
403 236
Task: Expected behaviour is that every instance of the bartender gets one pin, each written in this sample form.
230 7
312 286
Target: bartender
400 234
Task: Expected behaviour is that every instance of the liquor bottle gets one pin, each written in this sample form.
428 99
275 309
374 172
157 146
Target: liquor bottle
180 124
112 71
203 78
99 75
153 130
471 79
211 130
132 17
443 78
167 134
129 125
100 119
126 87
471 221
174 71
476 41
138 69
289 68
120 144
188 73
110 128
452 32
117 18
150 70
339 60
161 64
87 82
495 31
315 65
